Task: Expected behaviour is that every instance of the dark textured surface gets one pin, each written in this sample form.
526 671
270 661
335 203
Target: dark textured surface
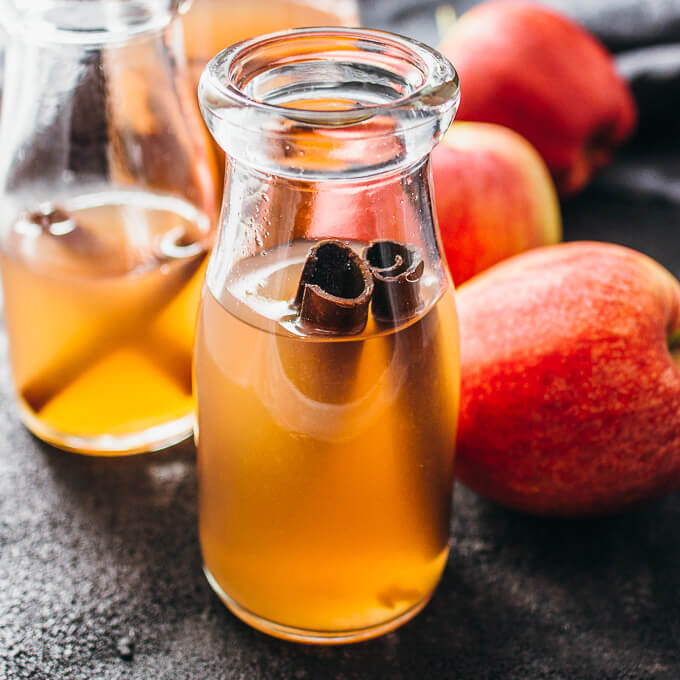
100 569
100 578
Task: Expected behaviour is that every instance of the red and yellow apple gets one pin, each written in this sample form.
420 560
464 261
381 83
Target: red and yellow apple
529 68
494 197
570 401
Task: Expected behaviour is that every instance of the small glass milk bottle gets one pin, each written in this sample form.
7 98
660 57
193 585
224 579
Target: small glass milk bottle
326 360
107 200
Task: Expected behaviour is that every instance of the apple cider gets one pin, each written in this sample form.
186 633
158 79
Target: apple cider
100 296
325 461
326 361
107 218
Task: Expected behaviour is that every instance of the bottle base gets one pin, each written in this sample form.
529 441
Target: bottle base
313 637
152 439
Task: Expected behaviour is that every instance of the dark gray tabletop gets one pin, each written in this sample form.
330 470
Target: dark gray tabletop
100 568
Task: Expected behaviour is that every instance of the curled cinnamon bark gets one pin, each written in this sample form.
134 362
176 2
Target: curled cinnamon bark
334 291
397 269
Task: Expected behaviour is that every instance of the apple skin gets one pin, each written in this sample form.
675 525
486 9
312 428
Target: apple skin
533 70
493 195
570 397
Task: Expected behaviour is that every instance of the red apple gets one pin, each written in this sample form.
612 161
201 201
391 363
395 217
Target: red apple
527 67
570 401
493 195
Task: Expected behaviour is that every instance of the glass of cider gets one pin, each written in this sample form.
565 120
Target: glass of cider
107 207
326 361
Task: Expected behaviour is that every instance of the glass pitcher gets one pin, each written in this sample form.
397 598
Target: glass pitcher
107 201
326 359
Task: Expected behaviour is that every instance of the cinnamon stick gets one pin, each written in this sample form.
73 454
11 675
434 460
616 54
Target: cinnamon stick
334 291
397 269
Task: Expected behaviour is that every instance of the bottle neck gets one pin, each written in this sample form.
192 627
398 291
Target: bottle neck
324 103
80 118
262 212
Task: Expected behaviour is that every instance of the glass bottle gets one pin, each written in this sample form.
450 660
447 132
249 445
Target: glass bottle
326 360
107 205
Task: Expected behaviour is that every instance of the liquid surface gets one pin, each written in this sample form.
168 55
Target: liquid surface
325 464
100 312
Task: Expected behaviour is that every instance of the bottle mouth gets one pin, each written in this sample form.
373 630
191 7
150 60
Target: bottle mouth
363 82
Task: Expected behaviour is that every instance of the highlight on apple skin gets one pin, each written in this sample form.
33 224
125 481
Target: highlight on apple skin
493 195
570 396
529 68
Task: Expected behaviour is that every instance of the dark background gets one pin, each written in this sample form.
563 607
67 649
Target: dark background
99 558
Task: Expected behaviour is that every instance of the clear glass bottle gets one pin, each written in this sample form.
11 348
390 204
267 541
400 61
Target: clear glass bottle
326 361
107 205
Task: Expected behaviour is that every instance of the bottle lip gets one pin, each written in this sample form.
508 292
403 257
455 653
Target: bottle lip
87 23
432 88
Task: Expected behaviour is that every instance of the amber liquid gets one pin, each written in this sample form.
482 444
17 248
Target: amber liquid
325 463
101 320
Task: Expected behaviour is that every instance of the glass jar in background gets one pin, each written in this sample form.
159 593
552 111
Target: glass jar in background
326 357
107 208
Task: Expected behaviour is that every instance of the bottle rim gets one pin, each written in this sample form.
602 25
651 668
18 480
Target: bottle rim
80 22
431 87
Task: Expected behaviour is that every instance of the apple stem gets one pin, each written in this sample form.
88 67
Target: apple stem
674 339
